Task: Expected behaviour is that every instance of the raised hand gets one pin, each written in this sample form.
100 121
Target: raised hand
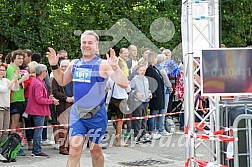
15 75
52 57
25 77
112 59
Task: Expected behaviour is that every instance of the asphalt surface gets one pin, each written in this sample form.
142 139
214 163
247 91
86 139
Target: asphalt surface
168 151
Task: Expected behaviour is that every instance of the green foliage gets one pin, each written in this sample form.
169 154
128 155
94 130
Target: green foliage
39 24
236 22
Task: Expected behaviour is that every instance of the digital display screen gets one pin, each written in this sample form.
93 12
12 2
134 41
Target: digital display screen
226 71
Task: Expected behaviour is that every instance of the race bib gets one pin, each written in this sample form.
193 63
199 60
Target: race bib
82 74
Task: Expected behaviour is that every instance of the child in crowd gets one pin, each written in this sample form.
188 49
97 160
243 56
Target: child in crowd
140 98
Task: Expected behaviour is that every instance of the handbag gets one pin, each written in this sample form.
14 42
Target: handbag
124 107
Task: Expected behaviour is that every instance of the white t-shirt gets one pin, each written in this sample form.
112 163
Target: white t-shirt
5 92
134 63
116 91
51 75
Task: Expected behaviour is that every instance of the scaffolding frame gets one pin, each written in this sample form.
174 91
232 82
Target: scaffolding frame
200 30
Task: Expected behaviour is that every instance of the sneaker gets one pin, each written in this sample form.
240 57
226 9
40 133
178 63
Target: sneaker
21 152
147 137
126 135
121 144
56 146
2 158
143 140
45 142
137 140
155 136
131 133
165 133
41 154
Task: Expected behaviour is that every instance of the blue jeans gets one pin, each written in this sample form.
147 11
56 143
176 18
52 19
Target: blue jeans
38 121
158 122
166 99
181 120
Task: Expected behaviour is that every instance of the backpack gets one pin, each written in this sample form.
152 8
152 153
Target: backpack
10 147
169 125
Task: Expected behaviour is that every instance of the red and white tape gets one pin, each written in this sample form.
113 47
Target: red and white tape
116 120
223 138
145 117
201 163
217 135
35 127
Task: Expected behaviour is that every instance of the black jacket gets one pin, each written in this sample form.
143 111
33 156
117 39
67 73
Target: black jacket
156 85
58 93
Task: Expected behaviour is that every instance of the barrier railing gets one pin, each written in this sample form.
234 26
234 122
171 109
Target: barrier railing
115 120
248 137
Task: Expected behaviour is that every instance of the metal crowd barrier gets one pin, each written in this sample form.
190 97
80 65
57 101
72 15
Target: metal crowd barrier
243 157
248 138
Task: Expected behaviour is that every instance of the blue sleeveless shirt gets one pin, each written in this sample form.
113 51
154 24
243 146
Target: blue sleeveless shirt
88 85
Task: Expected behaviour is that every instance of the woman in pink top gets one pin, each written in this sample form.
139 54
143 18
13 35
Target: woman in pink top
38 106
28 119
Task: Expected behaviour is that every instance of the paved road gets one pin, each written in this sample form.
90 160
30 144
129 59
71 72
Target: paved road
168 151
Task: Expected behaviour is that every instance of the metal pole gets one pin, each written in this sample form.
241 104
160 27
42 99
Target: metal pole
249 146
189 85
189 47
216 40
217 127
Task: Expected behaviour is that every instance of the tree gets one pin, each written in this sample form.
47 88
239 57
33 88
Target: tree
38 24
236 22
